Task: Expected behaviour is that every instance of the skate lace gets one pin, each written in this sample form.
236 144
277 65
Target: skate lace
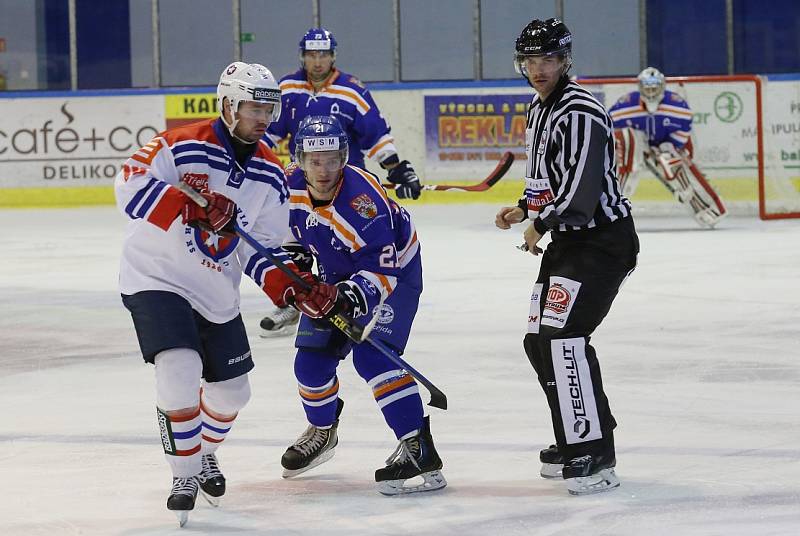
210 467
407 451
311 440
184 486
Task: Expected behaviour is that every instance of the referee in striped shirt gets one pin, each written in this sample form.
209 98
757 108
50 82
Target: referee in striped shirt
572 192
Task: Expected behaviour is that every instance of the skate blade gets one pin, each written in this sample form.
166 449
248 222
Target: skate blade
324 457
604 480
551 470
182 515
210 499
431 481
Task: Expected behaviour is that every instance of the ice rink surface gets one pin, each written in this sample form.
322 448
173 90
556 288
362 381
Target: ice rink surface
700 356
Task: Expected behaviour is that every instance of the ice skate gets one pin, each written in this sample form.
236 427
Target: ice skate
211 480
414 457
314 447
181 498
552 462
590 474
279 322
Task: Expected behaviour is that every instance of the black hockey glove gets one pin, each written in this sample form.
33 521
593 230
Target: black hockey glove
404 176
355 301
300 256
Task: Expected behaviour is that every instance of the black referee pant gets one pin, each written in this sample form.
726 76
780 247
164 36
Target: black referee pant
580 275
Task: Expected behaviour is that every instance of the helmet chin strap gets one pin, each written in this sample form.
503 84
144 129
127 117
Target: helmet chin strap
232 126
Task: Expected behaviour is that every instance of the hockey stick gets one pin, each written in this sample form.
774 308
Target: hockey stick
354 331
347 325
499 171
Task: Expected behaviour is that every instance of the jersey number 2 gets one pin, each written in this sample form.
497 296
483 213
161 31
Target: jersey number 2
387 258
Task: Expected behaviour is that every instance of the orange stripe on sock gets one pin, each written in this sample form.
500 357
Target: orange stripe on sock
405 380
213 439
319 396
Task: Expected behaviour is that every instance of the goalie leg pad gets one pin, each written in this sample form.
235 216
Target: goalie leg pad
630 146
706 205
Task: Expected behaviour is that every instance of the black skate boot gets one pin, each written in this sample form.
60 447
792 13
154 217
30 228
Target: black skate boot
552 462
211 480
181 498
590 474
279 322
413 457
314 447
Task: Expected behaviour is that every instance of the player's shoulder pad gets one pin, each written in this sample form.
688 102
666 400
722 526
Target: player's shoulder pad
675 98
356 82
201 131
361 184
264 151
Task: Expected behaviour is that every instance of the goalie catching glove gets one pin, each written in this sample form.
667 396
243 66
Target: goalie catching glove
323 301
217 217
404 176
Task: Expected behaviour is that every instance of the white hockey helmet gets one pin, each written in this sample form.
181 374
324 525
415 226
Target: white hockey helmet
247 82
652 85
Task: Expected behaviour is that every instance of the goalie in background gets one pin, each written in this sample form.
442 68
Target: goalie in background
653 126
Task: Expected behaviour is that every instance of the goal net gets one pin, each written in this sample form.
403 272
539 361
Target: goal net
743 141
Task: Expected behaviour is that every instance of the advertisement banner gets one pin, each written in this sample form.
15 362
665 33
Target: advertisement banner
73 141
463 129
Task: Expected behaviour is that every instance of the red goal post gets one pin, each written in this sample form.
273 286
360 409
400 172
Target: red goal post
732 134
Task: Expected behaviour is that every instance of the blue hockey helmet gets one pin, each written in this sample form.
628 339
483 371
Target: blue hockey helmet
320 133
318 39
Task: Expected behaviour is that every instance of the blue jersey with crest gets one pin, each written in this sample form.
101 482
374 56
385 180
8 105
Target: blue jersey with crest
361 235
671 122
342 96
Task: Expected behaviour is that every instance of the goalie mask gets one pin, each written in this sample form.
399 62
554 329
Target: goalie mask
652 85
320 133
241 82
543 38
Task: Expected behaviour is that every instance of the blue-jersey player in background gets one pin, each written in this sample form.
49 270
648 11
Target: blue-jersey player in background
653 126
368 259
319 88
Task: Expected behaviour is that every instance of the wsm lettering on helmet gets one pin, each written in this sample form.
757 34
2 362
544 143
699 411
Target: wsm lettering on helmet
575 390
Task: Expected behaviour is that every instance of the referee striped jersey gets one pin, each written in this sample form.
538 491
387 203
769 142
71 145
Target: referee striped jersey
571 178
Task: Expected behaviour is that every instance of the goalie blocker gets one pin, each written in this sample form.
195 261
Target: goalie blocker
673 168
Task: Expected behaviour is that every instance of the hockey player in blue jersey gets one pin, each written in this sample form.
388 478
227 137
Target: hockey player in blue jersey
319 88
653 126
368 259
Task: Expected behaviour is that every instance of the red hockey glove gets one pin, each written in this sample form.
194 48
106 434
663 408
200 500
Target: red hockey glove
218 216
321 301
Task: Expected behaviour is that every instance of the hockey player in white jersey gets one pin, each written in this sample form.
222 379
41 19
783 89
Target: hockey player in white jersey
181 268
653 127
